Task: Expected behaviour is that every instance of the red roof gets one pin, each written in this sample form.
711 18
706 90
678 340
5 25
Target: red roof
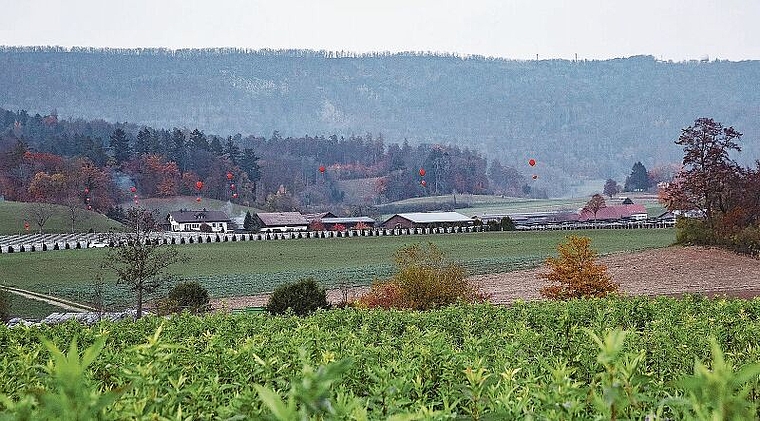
612 212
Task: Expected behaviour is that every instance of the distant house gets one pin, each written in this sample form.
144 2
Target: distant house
348 222
191 220
427 219
281 221
615 213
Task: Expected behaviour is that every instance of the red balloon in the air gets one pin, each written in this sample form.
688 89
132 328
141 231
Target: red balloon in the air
234 196
198 199
424 183
322 168
232 187
229 176
89 207
532 162
535 176
199 185
422 172
135 197
86 190
132 189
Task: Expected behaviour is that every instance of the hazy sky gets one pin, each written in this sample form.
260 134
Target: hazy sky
593 29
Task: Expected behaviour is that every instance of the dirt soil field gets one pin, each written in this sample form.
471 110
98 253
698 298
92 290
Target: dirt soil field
668 271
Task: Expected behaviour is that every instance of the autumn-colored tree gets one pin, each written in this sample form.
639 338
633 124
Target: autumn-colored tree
595 204
709 170
575 273
316 225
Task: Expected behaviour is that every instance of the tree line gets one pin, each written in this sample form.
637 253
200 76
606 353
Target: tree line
97 164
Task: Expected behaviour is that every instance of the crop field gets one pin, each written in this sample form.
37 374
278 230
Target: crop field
615 358
13 215
30 309
244 268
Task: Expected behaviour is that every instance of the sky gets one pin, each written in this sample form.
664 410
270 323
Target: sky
526 29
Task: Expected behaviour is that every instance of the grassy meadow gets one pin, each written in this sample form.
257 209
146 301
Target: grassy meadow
244 268
13 215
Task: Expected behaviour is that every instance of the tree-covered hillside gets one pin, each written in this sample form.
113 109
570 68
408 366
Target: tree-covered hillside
587 118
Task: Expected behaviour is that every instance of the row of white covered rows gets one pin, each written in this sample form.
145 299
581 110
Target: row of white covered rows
94 240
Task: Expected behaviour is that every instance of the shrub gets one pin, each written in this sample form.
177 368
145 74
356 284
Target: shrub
361 226
694 231
576 273
339 227
190 296
425 280
206 227
303 297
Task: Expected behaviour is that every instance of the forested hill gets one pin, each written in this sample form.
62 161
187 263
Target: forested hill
587 118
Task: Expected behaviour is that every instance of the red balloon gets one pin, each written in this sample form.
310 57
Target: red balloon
532 162
198 199
135 197
229 176
422 172
232 187
132 189
322 168
89 207
535 176
199 185
424 183
86 190
234 196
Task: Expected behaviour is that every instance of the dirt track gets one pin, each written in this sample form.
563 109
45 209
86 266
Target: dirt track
667 271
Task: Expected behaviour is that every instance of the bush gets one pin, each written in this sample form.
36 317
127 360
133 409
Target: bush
190 296
5 306
425 280
303 297
691 231
575 273
206 227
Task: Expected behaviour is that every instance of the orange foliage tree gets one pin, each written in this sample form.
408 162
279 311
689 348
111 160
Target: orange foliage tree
575 273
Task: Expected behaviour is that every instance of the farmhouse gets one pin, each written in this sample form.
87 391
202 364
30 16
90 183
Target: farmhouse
427 219
281 221
192 220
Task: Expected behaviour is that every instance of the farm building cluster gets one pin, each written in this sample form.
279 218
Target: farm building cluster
217 221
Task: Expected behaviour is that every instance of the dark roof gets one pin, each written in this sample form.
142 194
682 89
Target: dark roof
318 216
188 216
279 219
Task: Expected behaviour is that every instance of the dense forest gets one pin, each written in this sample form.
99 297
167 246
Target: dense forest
579 119
97 164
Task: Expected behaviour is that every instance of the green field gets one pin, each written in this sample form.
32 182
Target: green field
496 205
244 268
537 360
13 215
29 309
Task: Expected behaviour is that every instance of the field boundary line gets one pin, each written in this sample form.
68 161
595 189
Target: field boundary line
60 302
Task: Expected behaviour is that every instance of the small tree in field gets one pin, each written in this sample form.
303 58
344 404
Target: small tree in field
575 273
595 204
138 260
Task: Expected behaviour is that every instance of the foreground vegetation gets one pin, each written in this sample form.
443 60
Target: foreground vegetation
547 360
242 268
